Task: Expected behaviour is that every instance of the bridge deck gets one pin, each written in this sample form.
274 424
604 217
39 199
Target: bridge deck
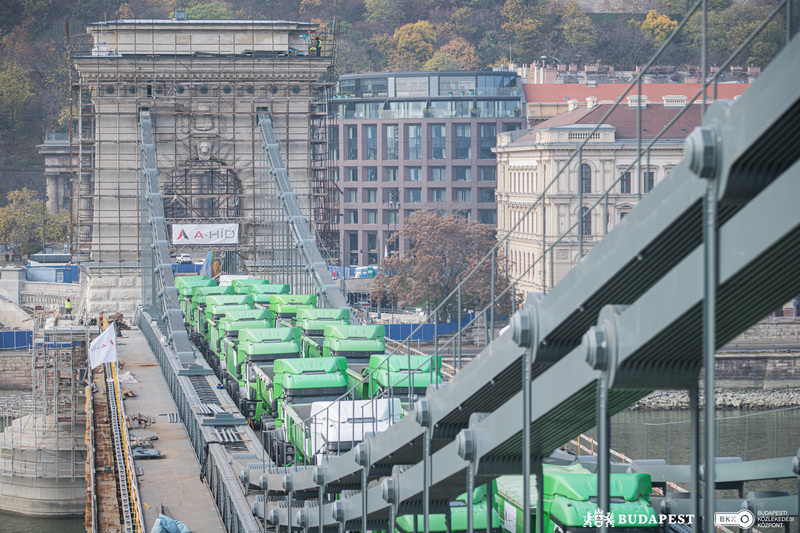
174 481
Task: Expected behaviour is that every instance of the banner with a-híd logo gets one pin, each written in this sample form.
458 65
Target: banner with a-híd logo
205 234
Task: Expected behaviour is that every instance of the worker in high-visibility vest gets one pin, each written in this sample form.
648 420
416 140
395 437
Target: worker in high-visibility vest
317 46
68 306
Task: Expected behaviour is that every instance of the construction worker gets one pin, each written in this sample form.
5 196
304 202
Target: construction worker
68 306
317 48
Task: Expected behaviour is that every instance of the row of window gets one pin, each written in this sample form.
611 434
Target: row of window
370 174
429 85
411 142
414 196
426 109
523 179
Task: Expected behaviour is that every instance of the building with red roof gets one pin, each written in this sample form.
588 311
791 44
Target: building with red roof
546 100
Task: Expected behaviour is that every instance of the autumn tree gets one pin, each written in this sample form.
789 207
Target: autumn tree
21 222
458 54
577 30
529 24
443 251
411 46
658 26
728 28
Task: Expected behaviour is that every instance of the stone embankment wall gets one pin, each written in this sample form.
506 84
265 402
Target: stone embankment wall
15 370
725 399
783 329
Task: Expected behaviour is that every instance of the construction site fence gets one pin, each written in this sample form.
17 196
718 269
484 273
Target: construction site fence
53 274
16 340
428 332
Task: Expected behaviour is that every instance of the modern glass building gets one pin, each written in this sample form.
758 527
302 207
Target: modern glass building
405 141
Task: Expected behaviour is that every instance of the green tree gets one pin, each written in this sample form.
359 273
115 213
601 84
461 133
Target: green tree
216 10
17 101
444 250
390 13
21 222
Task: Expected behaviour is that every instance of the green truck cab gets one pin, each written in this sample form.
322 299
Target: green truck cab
297 384
355 343
262 293
228 328
570 501
285 306
250 369
242 286
216 307
199 296
458 517
312 323
184 286
389 375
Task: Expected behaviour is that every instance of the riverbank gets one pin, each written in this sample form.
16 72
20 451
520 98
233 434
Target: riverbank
725 399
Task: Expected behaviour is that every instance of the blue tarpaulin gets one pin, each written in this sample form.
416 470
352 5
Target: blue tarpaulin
165 524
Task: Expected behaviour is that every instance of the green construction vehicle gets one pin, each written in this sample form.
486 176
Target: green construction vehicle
355 343
250 367
334 427
242 286
198 310
570 502
262 293
437 523
184 286
227 333
312 323
389 375
216 307
286 306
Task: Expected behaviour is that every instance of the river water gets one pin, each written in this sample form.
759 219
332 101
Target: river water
757 438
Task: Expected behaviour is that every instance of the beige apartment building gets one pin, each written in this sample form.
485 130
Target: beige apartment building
528 174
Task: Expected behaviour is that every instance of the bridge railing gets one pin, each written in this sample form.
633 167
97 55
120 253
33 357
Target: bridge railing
289 253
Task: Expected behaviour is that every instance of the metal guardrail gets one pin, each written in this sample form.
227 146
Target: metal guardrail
133 507
90 458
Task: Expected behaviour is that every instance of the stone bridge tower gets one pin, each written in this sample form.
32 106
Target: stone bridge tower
204 83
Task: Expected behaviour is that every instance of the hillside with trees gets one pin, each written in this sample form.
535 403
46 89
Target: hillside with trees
375 35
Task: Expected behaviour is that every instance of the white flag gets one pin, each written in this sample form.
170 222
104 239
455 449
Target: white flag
104 347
